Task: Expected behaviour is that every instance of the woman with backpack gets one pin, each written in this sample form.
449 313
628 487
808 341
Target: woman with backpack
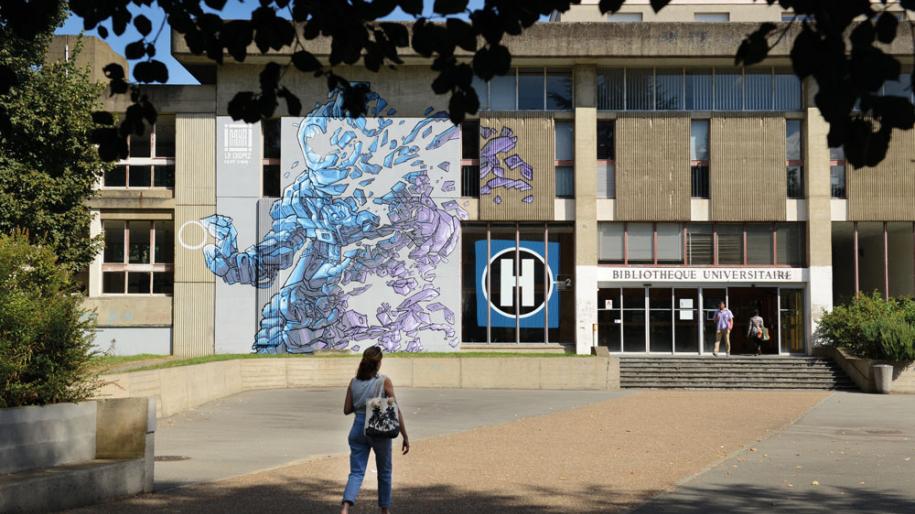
757 331
370 390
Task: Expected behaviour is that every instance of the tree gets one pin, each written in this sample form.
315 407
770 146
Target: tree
45 336
848 69
48 169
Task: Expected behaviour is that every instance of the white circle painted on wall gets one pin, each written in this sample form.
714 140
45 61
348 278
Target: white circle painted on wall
203 238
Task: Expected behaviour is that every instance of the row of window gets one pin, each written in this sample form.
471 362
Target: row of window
702 244
688 89
524 89
138 257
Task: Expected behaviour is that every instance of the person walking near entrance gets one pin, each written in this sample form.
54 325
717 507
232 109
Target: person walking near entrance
724 322
756 331
367 385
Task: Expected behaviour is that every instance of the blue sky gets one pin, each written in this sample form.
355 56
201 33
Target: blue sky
176 73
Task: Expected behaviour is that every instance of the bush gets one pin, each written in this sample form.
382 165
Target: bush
872 327
45 336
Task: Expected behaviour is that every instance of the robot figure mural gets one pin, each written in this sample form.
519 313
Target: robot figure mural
369 226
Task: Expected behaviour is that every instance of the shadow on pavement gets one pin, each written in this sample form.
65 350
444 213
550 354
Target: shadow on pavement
746 499
320 496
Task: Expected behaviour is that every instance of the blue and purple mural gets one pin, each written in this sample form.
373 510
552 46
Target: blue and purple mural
363 239
493 162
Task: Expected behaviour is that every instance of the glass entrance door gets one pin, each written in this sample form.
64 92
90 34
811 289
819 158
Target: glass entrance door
686 320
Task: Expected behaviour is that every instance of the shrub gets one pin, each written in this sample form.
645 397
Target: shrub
872 327
45 335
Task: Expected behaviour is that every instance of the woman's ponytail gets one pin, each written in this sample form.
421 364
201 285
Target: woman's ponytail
370 363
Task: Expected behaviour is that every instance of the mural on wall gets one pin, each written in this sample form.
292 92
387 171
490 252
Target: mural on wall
498 143
368 227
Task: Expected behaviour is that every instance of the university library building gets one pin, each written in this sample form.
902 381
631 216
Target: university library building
622 181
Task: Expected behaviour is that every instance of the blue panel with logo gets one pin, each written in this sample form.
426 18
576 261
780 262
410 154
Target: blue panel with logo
525 284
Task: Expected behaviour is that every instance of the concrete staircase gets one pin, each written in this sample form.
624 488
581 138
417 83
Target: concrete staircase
736 372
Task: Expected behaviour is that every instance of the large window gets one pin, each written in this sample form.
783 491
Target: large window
271 184
677 89
702 244
565 160
470 159
517 282
837 172
606 181
699 158
138 257
794 164
151 163
523 89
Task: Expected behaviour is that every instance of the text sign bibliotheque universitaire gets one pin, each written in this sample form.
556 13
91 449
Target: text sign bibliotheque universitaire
700 275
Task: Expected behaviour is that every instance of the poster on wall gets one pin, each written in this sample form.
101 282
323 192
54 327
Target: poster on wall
516 281
362 247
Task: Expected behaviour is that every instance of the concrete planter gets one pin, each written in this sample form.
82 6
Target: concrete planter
900 375
67 455
46 436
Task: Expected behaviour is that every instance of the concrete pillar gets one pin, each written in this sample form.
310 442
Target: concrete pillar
585 207
95 267
819 221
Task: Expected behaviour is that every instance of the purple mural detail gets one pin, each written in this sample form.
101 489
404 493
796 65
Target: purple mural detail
338 245
448 186
492 163
513 161
444 166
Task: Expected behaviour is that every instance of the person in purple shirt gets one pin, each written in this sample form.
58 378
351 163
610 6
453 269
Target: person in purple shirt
724 322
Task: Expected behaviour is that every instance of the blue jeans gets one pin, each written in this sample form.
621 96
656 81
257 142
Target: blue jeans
359 447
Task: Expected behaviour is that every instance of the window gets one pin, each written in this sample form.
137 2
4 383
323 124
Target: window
639 243
705 244
610 242
759 244
699 96
794 162
470 158
837 172
565 160
271 185
639 89
669 90
790 244
699 158
712 17
138 257
152 159
526 89
669 237
606 181
625 17
759 88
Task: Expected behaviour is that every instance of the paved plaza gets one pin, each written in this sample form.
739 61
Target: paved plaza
548 452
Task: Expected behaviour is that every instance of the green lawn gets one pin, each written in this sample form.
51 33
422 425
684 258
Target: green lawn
328 355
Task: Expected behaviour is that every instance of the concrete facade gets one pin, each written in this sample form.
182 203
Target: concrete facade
763 246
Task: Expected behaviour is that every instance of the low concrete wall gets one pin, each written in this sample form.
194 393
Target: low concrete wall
62 456
861 371
46 436
180 388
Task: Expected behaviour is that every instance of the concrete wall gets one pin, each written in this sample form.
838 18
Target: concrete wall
94 54
66 455
652 168
133 340
177 389
885 192
680 11
747 178
46 436
861 371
